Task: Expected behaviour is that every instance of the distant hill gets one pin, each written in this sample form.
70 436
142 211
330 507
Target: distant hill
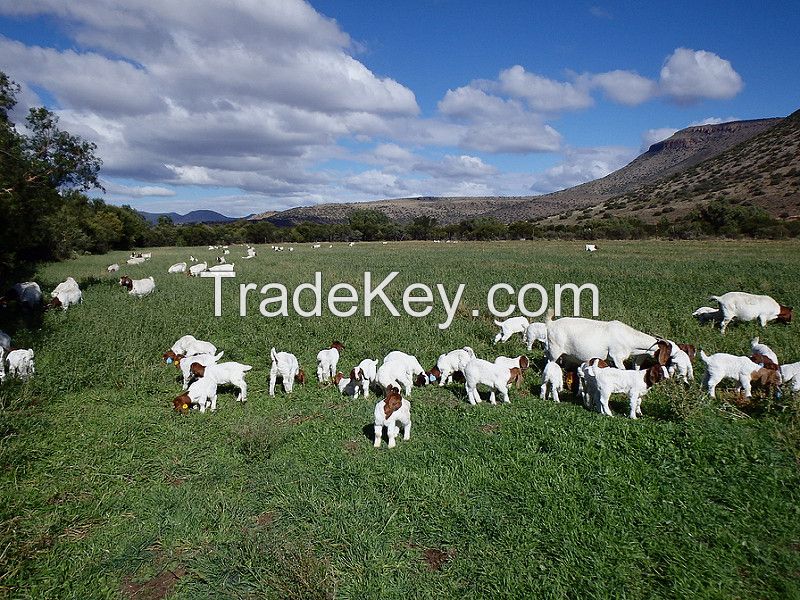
680 153
196 216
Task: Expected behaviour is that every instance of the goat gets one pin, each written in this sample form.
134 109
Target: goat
389 412
749 307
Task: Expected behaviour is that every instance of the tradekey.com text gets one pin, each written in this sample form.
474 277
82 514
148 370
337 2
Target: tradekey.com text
418 299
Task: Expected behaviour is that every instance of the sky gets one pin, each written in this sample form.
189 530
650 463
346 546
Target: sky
245 106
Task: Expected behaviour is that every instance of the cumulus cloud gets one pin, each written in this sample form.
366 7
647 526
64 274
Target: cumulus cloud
581 165
625 87
690 75
541 93
137 191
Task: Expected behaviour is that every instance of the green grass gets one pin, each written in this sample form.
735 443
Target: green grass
105 489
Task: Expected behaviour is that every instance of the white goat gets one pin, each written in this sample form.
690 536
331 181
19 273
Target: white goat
552 376
411 364
536 332
389 412
509 327
136 260
591 248
198 268
583 339
229 373
182 344
633 383
177 268
791 374
66 298
327 361
722 365
395 374
113 268
202 393
65 286
496 377
348 386
285 366
680 363
757 347
455 360
184 363
20 364
223 268
138 287
749 307
365 372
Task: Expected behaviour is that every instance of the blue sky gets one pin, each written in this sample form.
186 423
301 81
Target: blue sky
252 106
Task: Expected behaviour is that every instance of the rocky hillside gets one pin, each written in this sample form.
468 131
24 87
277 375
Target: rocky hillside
763 170
683 153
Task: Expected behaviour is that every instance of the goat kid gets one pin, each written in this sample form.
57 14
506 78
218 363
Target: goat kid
285 366
391 412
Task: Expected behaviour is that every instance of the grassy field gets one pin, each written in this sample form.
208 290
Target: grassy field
106 492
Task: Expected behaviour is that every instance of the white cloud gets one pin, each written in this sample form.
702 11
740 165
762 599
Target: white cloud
581 165
652 136
713 121
690 75
138 191
541 93
625 87
459 167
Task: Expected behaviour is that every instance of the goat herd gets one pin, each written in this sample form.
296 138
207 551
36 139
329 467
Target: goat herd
579 354
584 348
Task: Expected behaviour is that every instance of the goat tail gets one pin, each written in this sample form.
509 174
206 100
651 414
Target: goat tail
273 355
498 323
218 356
704 356
246 368
716 298
549 316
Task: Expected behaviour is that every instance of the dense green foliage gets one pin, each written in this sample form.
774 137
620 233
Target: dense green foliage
44 214
104 490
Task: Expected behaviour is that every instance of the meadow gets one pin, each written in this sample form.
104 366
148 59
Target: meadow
107 493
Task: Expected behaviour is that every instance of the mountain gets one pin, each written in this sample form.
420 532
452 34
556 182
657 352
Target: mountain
196 216
685 152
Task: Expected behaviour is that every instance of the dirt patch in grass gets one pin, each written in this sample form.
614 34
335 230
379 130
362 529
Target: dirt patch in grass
265 519
490 428
436 558
156 588
351 446
298 419
175 480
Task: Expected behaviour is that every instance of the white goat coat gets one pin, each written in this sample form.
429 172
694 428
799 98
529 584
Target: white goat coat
455 360
610 380
203 392
177 268
284 365
69 297
185 364
721 365
136 260
226 268
366 372
20 363
327 362
395 373
791 374
509 327
142 287
552 376
479 371
195 270
113 268
229 373
65 286
583 339
409 360
757 347
746 307
182 344
401 416
536 332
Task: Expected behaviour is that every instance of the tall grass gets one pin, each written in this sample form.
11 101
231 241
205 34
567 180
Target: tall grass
106 492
